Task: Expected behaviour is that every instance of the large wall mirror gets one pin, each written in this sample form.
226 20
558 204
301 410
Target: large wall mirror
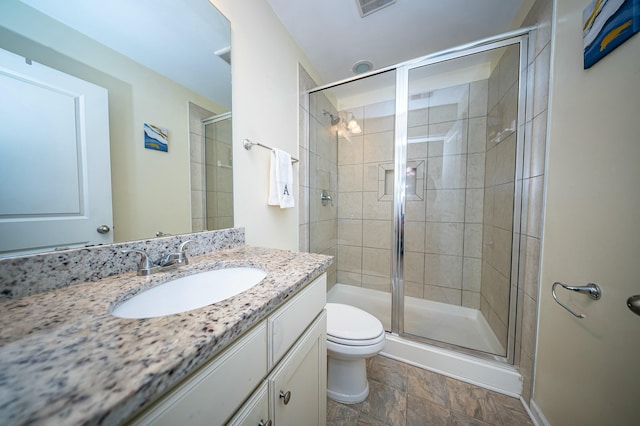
116 121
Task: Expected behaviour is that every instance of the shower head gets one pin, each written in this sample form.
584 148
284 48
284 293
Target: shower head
334 119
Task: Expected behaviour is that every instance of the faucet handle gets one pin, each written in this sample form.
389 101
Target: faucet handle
146 267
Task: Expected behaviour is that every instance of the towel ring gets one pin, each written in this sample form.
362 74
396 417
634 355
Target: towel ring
593 290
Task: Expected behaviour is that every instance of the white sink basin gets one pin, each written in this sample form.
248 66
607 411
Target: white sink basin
192 292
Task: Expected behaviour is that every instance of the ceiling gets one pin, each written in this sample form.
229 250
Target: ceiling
334 36
188 32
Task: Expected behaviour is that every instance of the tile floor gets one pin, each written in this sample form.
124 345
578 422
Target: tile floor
401 394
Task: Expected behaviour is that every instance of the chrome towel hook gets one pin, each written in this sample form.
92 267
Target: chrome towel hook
593 290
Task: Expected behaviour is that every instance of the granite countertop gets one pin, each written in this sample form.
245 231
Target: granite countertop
65 360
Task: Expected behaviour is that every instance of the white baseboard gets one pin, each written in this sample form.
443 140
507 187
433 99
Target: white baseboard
537 415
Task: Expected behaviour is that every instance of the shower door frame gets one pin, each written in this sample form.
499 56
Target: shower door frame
399 200
520 37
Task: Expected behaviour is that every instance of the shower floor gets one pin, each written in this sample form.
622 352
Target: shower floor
446 323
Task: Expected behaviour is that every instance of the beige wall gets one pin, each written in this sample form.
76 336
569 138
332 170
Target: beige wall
265 109
587 370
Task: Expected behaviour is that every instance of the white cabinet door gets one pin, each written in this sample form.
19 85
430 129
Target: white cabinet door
55 173
297 386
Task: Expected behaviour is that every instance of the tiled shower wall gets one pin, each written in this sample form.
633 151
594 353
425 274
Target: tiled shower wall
443 228
538 66
497 233
318 219
454 124
365 210
196 147
219 174
305 82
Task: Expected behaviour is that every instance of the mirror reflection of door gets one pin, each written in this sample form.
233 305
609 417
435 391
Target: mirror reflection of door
60 125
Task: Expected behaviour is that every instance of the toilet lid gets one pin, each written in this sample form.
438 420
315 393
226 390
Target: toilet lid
348 323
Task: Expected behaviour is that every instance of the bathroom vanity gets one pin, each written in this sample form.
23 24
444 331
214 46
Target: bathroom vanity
284 356
257 356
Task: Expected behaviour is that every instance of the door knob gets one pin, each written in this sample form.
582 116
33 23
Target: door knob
103 229
634 304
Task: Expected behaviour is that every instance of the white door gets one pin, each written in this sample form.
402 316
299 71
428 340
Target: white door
588 370
55 178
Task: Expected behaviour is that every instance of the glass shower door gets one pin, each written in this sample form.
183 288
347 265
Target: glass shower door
415 187
351 189
462 122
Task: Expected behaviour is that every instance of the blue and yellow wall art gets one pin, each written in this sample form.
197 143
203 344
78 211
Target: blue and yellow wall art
156 138
606 24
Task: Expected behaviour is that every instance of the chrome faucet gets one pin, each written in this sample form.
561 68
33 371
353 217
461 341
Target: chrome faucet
147 267
176 258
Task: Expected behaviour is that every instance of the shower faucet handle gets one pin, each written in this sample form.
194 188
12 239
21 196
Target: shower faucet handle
325 197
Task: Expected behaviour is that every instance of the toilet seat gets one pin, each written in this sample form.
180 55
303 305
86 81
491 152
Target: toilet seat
350 326
349 342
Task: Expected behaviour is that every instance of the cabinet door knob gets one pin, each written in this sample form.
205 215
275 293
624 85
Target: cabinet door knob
262 423
286 396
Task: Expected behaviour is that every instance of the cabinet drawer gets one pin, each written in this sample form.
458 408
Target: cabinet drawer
255 411
288 323
214 393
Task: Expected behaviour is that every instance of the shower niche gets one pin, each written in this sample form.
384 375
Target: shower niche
414 182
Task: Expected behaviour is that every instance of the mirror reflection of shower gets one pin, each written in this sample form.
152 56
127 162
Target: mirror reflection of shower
211 170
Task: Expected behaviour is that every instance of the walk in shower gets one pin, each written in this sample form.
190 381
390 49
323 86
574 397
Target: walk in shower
415 187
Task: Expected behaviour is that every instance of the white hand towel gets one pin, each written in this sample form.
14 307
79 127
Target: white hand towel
281 180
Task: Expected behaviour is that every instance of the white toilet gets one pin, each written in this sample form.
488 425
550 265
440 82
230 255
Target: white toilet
353 335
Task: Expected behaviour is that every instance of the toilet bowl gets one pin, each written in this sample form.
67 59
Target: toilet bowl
353 335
